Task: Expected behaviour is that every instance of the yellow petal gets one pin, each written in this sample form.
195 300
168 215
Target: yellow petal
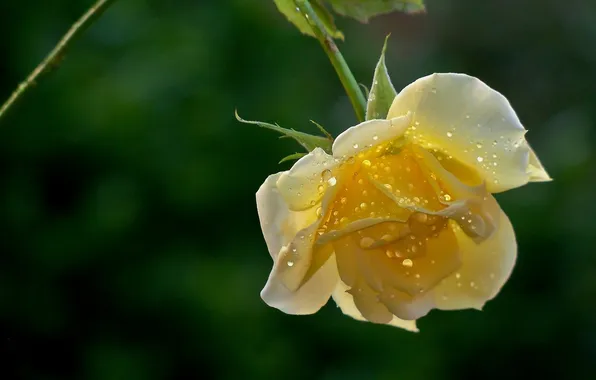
278 223
304 185
485 268
466 119
345 301
472 207
309 298
368 134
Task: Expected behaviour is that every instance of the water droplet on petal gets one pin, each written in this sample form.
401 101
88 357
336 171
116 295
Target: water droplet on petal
407 263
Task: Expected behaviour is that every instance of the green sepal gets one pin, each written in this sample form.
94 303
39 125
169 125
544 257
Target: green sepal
295 156
289 9
363 10
308 142
382 93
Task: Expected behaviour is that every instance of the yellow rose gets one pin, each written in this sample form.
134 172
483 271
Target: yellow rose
400 219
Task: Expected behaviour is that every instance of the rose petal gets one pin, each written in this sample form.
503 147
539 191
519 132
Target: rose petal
345 301
304 185
278 223
309 298
485 268
475 124
536 171
369 133
472 207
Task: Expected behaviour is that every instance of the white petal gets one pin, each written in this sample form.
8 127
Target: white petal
468 120
368 134
305 183
309 298
278 223
536 171
485 269
345 301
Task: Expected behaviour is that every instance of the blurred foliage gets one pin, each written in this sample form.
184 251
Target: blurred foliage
130 244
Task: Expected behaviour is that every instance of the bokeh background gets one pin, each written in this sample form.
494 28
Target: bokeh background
129 240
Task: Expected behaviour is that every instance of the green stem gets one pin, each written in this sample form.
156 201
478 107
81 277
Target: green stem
337 60
53 58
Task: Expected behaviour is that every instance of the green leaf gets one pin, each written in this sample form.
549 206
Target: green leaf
309 142
289 9
322 129
294 156
382 91
363 10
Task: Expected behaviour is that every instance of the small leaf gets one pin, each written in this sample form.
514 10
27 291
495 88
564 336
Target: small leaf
365 90
309 142
382 91
289 9
363 10
294 156
322 129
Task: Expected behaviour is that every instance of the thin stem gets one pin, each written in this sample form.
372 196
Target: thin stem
53 58
337 60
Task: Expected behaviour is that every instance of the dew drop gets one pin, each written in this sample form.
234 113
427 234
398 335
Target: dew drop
355 146
326 174
321 188
290 263
366 242
363 206
366 163
344 200
319 212
479 159
375 137
407 263
387 238
388 186
332 181
449 134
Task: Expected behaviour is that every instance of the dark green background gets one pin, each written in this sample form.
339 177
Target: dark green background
129 239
